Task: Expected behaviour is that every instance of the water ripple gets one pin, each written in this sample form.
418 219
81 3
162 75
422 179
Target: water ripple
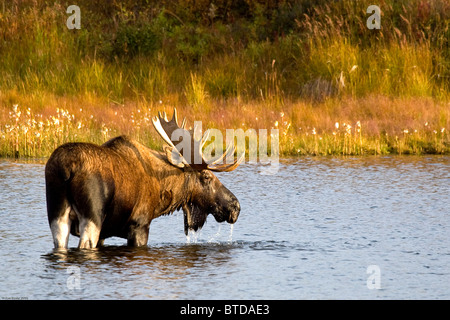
310 231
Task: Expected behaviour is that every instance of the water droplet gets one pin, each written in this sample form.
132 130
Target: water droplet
230 237
192 236
216 235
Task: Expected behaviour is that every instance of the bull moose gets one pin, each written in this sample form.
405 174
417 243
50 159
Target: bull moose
118 188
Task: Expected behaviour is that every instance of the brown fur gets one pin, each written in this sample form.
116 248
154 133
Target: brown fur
121 187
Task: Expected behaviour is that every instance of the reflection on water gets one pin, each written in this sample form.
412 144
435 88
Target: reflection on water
136 270
172 261
310 231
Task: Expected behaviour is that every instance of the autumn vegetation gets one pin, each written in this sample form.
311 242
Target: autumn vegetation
311 69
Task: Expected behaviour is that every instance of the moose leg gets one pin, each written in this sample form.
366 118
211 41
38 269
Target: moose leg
138 238
59 212
89 234
60 228
138 234
89 227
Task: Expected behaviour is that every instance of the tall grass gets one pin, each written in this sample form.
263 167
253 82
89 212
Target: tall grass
315 62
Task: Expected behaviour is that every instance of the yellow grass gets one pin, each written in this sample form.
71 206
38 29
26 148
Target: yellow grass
372 125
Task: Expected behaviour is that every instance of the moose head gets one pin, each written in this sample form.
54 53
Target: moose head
207 194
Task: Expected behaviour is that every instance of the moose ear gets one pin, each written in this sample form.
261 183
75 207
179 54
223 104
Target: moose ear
174 157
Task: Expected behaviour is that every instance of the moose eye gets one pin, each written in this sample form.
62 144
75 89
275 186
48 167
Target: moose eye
206 176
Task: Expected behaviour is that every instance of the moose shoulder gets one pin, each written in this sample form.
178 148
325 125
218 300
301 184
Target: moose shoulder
117 189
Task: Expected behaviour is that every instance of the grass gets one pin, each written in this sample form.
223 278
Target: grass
309 68
333 127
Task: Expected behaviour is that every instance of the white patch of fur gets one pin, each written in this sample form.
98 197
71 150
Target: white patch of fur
61 229
89 234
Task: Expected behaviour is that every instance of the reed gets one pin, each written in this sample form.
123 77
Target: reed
341 127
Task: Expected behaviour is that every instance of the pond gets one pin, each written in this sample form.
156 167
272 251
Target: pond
320 228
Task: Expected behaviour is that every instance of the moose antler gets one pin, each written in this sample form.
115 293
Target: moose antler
169 130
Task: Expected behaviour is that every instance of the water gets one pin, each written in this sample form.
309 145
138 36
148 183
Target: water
312 231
